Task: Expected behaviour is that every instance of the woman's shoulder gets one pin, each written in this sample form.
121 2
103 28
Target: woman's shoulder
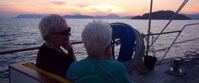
79 66
117 63
88 62
114 62
79 63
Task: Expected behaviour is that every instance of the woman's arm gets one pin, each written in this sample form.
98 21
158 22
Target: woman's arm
71 53
69 50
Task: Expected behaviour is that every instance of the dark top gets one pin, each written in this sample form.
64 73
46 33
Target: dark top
53 61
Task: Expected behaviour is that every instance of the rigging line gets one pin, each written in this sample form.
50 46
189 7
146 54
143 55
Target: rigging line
171 19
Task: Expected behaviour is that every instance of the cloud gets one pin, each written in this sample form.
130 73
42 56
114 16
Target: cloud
103 9
58 2
82 5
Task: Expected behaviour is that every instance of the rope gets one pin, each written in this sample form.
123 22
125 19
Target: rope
139 52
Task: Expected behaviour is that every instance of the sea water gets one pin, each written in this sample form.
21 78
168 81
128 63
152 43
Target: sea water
24 33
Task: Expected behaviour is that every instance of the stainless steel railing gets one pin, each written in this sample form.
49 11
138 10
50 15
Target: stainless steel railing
171 19
174 41
27 49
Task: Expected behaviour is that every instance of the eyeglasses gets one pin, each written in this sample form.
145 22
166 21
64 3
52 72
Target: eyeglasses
64 33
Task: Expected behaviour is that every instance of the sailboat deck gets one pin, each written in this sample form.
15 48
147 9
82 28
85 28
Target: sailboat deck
159 75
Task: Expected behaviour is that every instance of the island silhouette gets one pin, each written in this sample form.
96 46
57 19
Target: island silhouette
162 15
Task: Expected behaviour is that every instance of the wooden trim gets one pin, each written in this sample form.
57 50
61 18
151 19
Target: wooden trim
43 78
49 74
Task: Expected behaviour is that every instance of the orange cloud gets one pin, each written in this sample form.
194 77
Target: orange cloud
191 10
54 7
58 2
93 7
39 7
101 9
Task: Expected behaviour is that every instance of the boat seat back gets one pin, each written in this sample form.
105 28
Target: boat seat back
29 73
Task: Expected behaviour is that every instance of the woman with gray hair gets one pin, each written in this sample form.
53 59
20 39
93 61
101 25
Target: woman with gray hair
51 55
97 67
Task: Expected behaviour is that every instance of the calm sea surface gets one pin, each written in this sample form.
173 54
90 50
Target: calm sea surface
24 33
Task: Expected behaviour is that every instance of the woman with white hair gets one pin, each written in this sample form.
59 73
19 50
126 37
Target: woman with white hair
51 55
97 67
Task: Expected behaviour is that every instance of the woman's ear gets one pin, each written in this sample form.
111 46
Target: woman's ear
53 39
49 38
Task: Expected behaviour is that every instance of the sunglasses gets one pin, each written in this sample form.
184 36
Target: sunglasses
64 33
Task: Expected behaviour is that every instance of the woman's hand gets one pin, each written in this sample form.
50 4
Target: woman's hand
68 46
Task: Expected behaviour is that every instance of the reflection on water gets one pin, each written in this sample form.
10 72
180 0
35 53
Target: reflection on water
22 33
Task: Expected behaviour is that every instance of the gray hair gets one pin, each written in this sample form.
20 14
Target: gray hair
50 24
96 36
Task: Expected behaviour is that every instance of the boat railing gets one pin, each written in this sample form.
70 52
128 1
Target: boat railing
171 19
175 39
157 50
177 31
173 42
31 48
162 31
149 34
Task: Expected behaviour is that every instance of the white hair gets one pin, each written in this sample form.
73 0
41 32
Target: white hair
50 24
96 36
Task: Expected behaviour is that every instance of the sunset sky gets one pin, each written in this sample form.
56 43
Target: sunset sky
11 8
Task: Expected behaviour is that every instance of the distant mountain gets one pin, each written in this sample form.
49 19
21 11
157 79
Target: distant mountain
193 16
163 15
112 16
109 16
127 17
155 15
76 16
29 16
98 17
